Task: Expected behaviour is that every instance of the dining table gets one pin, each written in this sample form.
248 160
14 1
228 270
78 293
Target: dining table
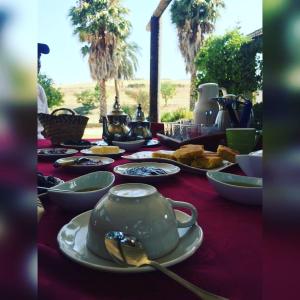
227 263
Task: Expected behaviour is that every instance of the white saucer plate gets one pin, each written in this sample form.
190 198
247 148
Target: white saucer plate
170 169
112 155
146 156
72 242
105 162
45 153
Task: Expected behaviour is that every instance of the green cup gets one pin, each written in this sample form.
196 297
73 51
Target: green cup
241 139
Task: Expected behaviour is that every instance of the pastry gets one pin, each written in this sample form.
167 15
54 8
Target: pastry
207 162
227 153
105 149
163 154
193 146
187 155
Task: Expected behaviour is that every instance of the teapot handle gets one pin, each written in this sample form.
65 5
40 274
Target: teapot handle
191 207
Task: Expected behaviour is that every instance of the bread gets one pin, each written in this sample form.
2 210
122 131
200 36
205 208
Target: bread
193 146
227 153
163 154
187 155
207 162
105 149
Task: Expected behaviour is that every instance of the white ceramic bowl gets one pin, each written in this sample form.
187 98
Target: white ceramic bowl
251 164
68 198
241 189
130 145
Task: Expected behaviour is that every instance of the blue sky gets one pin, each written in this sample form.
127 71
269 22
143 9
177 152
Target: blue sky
66 65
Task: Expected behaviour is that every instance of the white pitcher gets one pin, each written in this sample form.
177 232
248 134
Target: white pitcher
206 110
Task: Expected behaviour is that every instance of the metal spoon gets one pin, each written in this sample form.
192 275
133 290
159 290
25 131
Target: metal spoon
127 250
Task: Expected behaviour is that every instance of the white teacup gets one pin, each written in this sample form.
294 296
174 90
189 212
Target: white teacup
139 210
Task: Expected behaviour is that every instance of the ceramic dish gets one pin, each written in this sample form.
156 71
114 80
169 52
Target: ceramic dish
252 163
146 156
170 170
86 145
152 143
112 155
82 193
241 189
72 242
54 182
53 153
104 161
130 145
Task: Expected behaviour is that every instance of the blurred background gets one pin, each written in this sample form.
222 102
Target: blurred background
281 125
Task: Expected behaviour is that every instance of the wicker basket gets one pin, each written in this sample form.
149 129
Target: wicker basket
63 127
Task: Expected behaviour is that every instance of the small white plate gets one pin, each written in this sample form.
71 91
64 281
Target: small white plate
78 146
168 168
145 156
72 242
45 153
105 161
130 145
112 155
152 143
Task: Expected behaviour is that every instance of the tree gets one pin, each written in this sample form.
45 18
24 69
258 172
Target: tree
167 91
102 26
88 98
54 95
127 62
231 61
193 19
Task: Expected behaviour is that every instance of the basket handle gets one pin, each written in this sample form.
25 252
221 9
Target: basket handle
67 109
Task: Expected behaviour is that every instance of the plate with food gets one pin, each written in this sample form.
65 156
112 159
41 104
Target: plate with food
55 153
83 163
109 151
147 171
191 158
83 144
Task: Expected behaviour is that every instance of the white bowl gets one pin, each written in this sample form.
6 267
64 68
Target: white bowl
130 145
70 197
241 189
251 164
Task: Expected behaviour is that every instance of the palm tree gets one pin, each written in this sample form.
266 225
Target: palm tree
102 26
193 19
127 62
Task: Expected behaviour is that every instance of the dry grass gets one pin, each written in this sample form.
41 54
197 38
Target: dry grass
180 100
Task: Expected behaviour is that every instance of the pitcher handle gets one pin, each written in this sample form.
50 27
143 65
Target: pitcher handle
223 90
191 207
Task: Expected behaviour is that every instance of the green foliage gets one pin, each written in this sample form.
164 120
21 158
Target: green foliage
54 95
167 91
127 61
230 61
93 17
176 115
183 10
129 110
88 98
141 97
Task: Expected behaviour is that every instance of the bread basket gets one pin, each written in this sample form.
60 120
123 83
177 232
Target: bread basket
63 127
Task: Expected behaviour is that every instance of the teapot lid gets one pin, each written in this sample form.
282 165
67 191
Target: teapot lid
139 115
117 110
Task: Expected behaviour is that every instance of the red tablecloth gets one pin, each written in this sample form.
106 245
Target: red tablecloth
228 262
